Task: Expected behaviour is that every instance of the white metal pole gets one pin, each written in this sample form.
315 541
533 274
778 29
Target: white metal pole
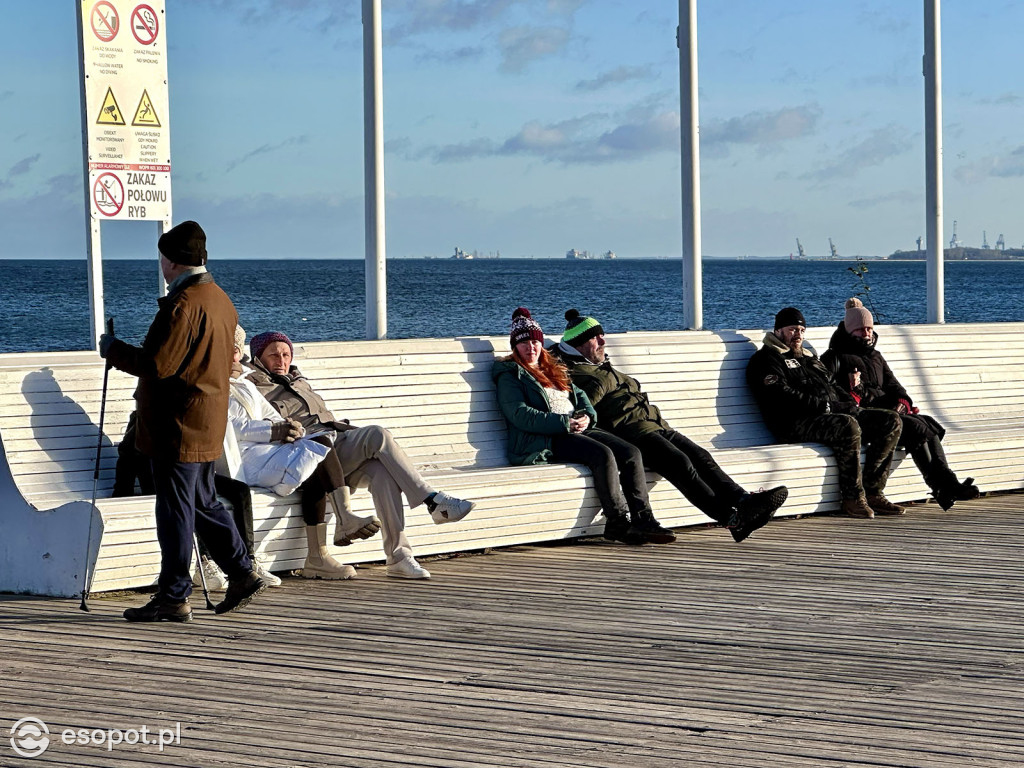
93 243
693 310
373 171
933 160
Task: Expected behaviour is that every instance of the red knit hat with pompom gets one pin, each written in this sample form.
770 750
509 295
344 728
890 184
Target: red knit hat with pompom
524 327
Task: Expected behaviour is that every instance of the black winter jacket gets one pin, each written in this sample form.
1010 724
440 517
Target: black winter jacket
790 388
878 388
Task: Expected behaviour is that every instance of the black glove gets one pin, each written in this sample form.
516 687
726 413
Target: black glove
287 431
106 342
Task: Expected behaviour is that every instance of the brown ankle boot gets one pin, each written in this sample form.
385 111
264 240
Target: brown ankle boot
857 507
882 506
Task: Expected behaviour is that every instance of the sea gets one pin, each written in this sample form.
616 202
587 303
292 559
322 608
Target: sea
44 305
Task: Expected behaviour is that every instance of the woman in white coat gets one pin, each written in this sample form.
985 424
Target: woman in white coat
266 450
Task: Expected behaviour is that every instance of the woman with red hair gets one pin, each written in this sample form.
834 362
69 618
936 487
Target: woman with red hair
551 420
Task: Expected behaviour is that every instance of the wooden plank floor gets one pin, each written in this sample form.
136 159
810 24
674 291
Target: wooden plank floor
818 642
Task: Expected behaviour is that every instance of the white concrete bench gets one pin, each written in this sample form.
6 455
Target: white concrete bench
437 398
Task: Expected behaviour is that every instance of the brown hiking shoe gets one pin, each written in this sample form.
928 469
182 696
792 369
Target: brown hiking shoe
883 506
857 508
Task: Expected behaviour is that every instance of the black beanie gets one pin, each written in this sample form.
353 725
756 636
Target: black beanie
184 244
579 330
789 316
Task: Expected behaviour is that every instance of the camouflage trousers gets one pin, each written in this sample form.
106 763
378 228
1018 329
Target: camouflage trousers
877 429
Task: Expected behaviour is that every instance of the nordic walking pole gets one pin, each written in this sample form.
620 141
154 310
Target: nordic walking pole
202 573
96 474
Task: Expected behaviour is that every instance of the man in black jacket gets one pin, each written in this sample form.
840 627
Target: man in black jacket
801 402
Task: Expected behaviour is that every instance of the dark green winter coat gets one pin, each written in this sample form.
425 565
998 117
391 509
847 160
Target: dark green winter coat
623 406
531 424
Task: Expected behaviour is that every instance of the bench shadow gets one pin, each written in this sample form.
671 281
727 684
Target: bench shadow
52 412
482 395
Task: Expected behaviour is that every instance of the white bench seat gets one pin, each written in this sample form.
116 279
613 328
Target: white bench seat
437 397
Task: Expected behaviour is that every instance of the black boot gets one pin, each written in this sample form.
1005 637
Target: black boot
955 491
652 530
160 609
618 528
241 590
755 510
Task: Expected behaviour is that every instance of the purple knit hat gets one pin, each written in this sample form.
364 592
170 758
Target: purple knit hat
263 340
524 327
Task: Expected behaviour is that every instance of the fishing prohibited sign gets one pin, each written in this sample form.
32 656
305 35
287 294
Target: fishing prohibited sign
128 153
108 194
145 25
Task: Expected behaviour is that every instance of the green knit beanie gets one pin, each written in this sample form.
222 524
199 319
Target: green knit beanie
579 329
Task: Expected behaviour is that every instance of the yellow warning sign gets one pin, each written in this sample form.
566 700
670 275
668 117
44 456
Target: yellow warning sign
110 113
145 113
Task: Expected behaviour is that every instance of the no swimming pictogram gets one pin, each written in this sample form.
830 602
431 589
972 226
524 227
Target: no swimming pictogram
104 21
145 24
108 194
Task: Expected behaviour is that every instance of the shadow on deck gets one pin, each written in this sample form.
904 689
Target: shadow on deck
818 642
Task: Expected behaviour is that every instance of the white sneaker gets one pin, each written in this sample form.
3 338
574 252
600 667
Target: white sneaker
264 573
216 580
449 509
408 569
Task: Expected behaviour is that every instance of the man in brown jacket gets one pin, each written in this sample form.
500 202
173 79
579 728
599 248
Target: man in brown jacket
183 366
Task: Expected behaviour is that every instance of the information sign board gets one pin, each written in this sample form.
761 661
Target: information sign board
124 52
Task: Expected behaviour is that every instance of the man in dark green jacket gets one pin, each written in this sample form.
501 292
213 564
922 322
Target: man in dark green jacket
624 410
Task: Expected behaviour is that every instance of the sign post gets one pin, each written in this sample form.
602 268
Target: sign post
125 122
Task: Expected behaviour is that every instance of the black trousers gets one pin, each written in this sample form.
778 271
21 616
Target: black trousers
692 470
844 434
616 466
186 503
326 478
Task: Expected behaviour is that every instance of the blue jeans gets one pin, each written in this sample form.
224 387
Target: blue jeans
186 503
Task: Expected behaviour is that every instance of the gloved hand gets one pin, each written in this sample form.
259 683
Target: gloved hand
287 431
236 370
106 341
904 406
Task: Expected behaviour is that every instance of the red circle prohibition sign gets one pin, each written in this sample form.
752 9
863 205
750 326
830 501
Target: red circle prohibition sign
145 24
104 21
108 194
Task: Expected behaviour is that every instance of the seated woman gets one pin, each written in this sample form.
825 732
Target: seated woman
266 450
550 419
357 456
855 362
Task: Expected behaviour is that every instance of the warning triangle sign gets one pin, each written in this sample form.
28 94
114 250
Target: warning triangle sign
145 113
110 113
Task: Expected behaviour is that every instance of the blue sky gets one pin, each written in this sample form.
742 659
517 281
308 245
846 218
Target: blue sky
533 126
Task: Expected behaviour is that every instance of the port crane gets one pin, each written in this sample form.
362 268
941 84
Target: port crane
954 241
1001 243
835 254
800 250
984 239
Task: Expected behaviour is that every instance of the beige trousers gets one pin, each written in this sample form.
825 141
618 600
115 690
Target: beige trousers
370 457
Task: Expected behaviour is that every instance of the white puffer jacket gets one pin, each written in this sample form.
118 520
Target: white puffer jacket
249 455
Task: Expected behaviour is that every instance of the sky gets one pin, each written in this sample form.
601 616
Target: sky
528 127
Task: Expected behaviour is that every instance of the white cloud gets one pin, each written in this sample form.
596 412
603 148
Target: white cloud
521 46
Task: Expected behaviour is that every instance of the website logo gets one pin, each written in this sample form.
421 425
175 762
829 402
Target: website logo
30 737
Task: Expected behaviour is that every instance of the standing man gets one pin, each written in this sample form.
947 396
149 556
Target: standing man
624 410
183 367
801 402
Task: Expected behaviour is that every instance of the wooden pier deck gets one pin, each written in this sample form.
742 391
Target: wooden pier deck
820 642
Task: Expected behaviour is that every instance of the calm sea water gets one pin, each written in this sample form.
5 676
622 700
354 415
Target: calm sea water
44 305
